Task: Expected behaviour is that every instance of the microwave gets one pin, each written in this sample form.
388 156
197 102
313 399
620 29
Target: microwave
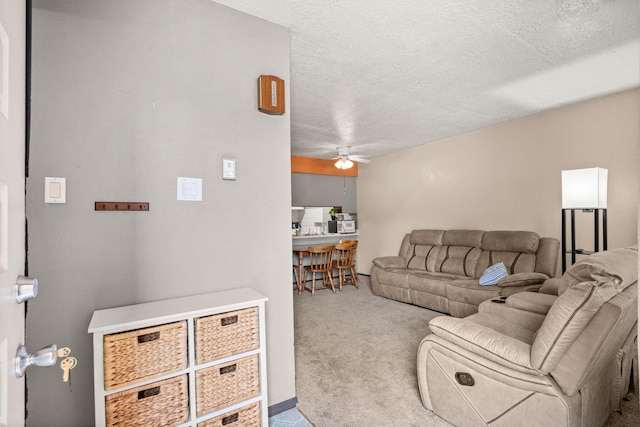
347 226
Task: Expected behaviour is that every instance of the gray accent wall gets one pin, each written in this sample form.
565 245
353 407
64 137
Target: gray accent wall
324 190
128 96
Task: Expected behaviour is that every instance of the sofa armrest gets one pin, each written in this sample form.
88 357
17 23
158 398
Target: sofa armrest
512 316
551 286
522 279
531 301
390 262
484 341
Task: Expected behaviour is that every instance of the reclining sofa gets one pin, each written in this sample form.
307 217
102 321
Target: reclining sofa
440 269
559 357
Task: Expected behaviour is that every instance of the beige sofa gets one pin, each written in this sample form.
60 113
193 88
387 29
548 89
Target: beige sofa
439 269
560 357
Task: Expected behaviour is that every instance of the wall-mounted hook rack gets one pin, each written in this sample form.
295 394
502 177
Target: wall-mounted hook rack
122 206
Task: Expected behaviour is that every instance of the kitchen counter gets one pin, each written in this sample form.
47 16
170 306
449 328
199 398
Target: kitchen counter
322 239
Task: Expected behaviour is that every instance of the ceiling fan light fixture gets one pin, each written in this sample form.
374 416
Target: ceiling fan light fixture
344 164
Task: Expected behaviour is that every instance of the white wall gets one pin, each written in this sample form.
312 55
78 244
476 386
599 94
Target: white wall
505 177
127 96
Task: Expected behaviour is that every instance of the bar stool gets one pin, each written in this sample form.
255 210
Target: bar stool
298 271
346 261
297 278
320 261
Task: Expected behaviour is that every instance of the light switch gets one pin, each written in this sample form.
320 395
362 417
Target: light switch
55 190
228 169
190 189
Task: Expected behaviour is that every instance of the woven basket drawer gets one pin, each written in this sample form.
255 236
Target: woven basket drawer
226 334
227 384
163 403
247 416
143 354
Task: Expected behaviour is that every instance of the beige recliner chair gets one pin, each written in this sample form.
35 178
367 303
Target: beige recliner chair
558 357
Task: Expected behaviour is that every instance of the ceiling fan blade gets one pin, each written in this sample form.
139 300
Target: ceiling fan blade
359 159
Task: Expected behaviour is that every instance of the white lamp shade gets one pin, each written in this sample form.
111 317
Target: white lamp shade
344 163
584 188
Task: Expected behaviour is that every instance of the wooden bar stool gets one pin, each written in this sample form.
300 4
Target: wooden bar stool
346 261
320 261
298 271
297 277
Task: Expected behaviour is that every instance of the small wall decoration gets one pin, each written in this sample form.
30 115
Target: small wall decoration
271 95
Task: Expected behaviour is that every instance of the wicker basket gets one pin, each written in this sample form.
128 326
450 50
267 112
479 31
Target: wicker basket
143 354
163 403
226 334
248 416
227 384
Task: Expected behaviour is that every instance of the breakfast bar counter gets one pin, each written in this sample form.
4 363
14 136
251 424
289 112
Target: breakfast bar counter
322 239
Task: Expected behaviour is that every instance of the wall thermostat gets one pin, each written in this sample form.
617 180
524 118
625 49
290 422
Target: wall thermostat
228 168
271 95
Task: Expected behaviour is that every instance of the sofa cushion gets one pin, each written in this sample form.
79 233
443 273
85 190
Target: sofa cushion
566 319
497 323
432 283
467 291
423 249
470 238
620 266
459 260
394 276
516 262
516 249
482 339
511 241
547 256
426 237
423 257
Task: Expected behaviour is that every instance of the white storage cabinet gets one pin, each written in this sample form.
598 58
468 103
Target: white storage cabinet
197 361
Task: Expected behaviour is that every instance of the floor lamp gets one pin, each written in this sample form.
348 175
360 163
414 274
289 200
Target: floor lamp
585 190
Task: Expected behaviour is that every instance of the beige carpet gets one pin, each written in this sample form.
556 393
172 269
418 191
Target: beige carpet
356 361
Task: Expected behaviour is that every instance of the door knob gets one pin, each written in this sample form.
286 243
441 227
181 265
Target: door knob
26 288
44 357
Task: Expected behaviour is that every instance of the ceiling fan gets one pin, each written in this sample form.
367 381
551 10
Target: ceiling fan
345 159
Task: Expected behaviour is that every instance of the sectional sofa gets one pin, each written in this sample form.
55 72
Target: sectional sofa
561 357
440 269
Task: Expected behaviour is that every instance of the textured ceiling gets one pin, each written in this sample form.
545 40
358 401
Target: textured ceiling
382 76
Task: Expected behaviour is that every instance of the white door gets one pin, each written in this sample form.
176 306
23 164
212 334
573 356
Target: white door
12 214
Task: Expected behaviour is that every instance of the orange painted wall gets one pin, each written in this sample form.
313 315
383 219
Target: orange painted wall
320 167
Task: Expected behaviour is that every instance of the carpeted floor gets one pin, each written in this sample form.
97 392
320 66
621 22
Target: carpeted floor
356 361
